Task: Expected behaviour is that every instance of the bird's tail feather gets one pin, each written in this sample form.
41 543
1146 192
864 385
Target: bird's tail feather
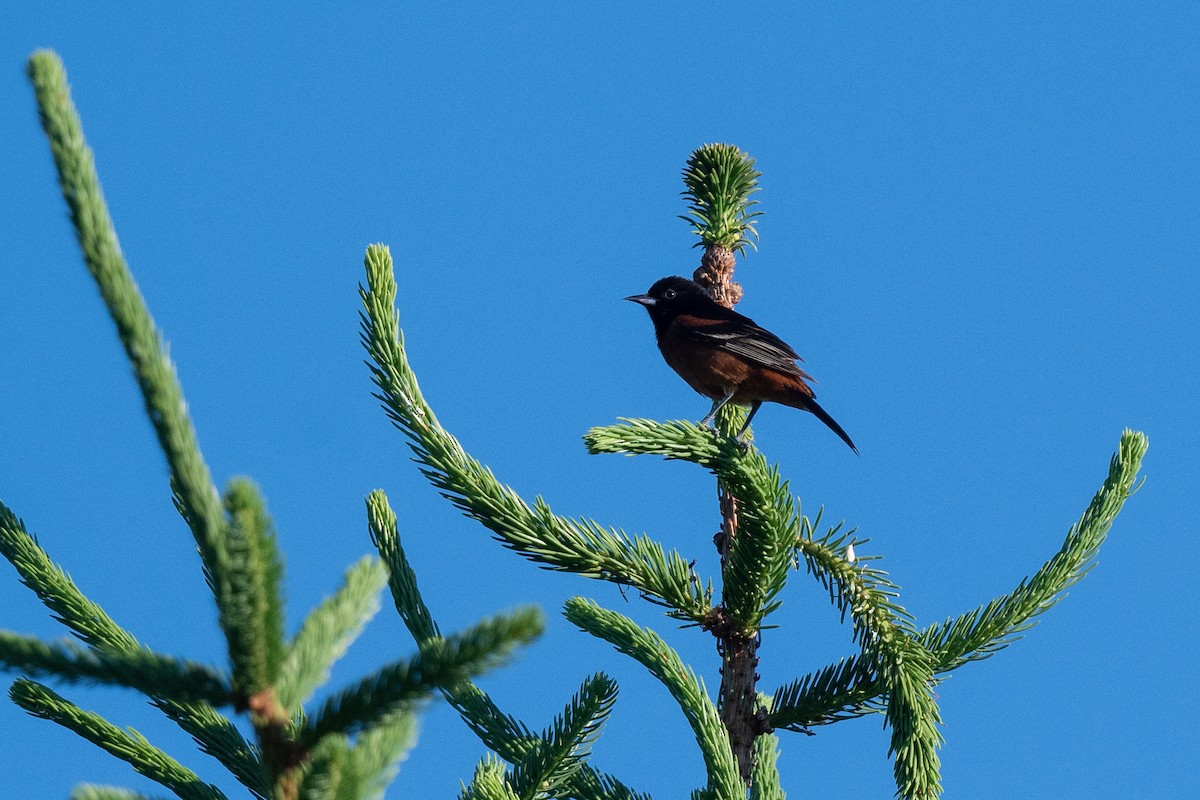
820 413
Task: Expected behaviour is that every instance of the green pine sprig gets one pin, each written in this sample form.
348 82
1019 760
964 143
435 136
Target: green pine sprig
248 588
764 784
769 519
573 545
214 733
324 775
845 690
217 736
155 374
328 632
56 590
903 667
401 578
127 745
372 762
858 589
719 179
135 668
502 733
489 783
90 791
648 648
979 633
440 663
341 769
547 770
906 672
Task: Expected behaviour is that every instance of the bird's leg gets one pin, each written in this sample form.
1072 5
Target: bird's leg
716 406
757 404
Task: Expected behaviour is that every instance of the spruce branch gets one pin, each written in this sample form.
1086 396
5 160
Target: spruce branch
760 526
863 592
191 483
762 553
155 374
502 733
906 670
845 690
509 737
903 666
765 782
215 734
512 740
372 762
89 791
548 768
579 546
56 590
341 770
489 783
905 678
647 648
328 632
978 634
324 775
247 584
127 745
403 683
140 669
401 578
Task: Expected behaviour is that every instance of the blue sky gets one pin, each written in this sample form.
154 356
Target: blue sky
981 231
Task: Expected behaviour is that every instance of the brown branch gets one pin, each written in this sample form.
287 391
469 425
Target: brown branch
716 275
282 754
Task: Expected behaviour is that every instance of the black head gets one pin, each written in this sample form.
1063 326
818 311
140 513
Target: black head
670 297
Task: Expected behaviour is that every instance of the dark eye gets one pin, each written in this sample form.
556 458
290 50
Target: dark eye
669 294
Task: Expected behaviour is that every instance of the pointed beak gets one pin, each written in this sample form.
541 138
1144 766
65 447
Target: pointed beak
643 299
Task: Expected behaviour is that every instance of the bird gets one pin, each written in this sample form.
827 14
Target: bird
726 356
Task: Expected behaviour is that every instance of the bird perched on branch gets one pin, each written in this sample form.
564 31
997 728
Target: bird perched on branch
726 356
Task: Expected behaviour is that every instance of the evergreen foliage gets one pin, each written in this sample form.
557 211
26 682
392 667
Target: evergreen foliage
347 746
127 745
328 631
348 749
87 791
719 179
894 672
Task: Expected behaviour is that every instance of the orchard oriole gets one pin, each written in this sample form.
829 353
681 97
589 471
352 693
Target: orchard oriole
726 356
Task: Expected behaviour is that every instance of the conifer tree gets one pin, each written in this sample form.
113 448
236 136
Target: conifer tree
346 747
764 538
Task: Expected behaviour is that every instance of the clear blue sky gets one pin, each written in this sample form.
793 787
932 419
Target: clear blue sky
981 230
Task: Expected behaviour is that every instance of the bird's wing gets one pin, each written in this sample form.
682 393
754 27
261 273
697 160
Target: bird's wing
742 337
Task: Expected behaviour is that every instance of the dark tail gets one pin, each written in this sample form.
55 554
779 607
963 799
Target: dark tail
820 414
